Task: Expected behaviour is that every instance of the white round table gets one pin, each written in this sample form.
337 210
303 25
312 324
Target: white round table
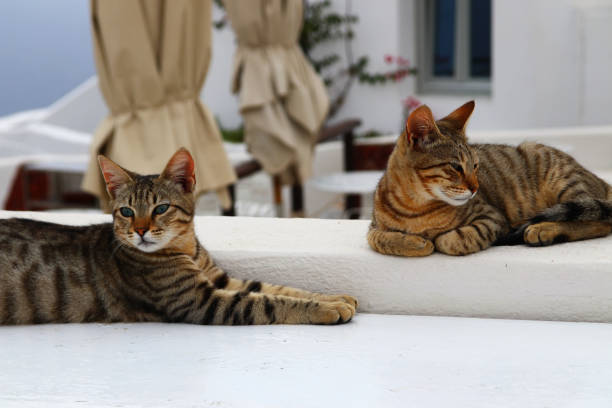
352 182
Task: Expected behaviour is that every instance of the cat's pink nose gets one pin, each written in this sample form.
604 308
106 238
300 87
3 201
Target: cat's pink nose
141 230
472 185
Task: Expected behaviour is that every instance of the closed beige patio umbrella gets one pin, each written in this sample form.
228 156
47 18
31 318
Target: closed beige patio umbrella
282 99
152 58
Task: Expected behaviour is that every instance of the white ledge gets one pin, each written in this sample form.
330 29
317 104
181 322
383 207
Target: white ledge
571 282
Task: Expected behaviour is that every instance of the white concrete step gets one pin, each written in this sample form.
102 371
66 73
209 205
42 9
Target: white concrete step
571 281
374 361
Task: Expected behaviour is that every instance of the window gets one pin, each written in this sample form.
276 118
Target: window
454 46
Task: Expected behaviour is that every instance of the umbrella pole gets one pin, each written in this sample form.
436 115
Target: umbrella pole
297 201
277 187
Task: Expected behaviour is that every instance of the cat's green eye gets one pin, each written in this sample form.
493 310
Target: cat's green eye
457 167
160 209
126 212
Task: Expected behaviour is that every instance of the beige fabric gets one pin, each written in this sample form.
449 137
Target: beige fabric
282 100
152 57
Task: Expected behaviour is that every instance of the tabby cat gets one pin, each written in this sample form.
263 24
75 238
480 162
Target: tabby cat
439 192
145 266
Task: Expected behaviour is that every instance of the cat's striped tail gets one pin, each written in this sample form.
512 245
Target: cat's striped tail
586 209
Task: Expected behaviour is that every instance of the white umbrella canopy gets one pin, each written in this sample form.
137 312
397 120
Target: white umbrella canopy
282 99
152 58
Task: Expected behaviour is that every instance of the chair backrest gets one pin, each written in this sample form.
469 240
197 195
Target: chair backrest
371 156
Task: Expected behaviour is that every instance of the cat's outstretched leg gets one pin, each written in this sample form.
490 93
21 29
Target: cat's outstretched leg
208 305
267 288
398 243
222 281
548 233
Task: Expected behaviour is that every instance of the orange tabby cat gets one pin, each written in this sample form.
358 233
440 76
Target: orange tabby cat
439 192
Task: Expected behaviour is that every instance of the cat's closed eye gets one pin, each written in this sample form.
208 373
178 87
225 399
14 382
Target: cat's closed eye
457 167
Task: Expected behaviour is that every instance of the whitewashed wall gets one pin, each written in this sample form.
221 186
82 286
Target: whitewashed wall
551 61
552 64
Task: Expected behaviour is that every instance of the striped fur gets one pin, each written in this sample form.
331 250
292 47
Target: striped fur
441 193
144 267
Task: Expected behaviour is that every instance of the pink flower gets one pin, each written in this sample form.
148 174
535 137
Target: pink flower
403 61
388 58
411 103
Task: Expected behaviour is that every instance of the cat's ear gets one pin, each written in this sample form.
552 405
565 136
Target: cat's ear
114 175
181 170
420 126
460 116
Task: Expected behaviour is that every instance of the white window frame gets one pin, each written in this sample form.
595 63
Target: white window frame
460 82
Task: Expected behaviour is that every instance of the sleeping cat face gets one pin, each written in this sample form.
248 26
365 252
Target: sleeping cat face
151 211
439 155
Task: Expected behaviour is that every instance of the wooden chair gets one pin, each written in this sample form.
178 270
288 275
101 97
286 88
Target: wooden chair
364 157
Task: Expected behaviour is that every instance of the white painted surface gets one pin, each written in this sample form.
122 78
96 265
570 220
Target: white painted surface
564 282
571 281
329 158
353 182
374 361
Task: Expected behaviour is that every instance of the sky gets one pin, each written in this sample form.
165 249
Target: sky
45 51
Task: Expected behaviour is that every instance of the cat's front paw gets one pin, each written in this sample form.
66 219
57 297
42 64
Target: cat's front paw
424 248
399 243
339 298
332 313
451 243
411 245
